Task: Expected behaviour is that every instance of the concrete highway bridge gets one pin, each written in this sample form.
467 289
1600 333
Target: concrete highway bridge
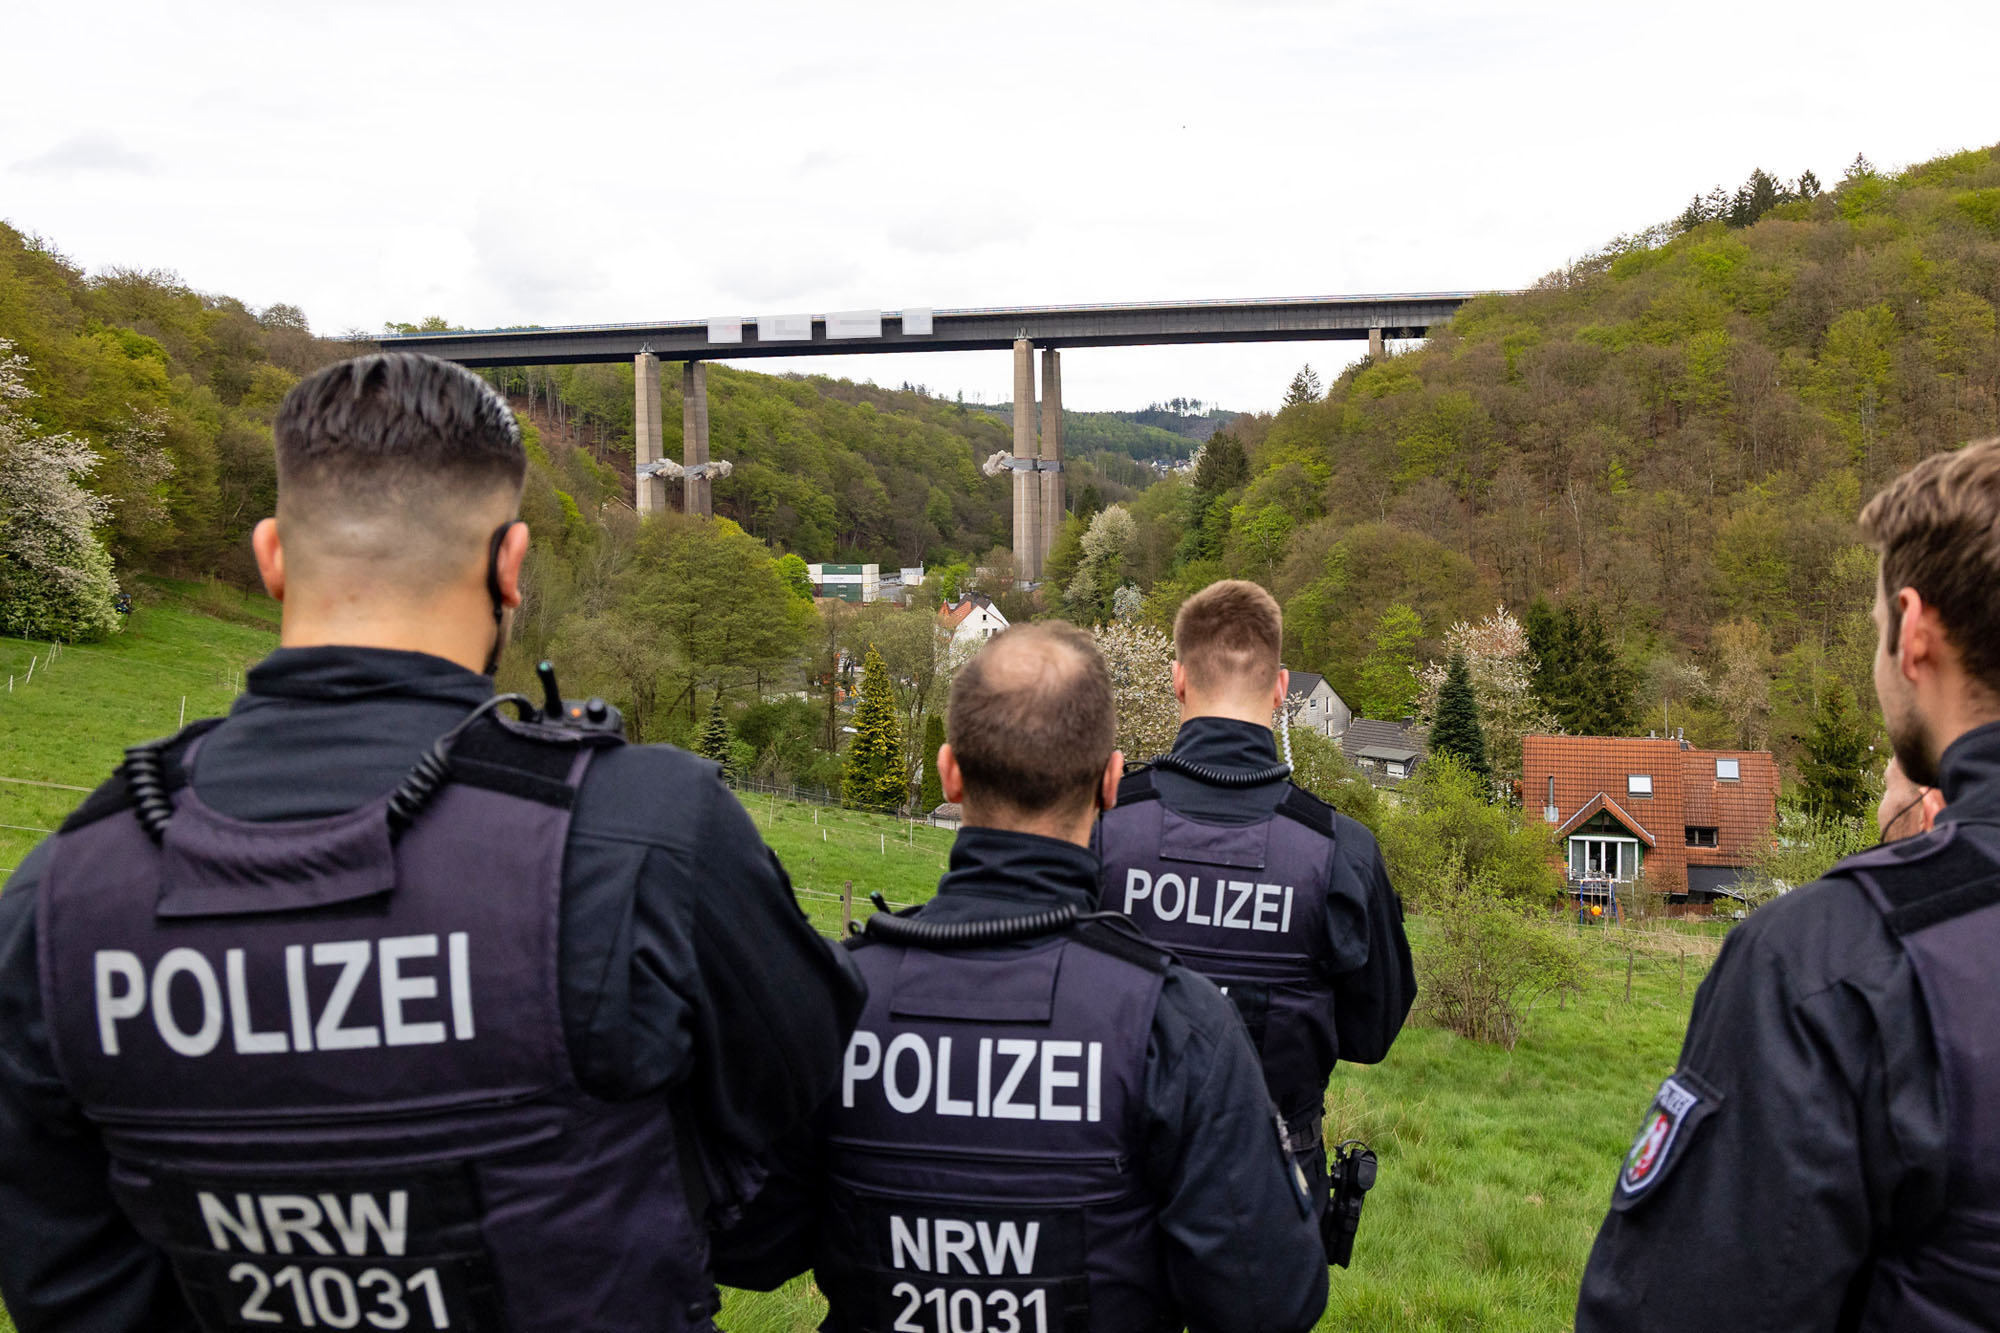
1036 462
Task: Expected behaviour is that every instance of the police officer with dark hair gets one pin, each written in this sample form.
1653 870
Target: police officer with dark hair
1827 1153
372 1005
1043 1124
1254 882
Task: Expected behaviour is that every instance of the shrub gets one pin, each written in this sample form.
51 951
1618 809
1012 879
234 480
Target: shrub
1481 962
1442 818
1320 768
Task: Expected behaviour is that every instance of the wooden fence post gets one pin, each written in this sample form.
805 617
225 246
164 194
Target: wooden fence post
846 909
1628 974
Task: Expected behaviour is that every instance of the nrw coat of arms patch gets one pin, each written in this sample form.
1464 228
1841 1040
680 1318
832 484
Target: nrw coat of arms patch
1658 1132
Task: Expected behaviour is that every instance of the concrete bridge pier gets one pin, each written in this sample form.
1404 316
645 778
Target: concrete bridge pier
1051 474
1376 350
650 496
1028 546
694 438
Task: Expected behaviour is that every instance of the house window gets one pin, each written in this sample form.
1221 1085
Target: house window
1312 705
1603 858
1728 770
1699 836
1639 784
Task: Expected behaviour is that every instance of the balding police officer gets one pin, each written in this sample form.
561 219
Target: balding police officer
1827 1153
333 1027
1043 1123
1252 881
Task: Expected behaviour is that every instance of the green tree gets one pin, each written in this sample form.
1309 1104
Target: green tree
1834 781
792 569
1579 676
1388 684
715 595
875 777
1457 732
931 794
713 742
1304 388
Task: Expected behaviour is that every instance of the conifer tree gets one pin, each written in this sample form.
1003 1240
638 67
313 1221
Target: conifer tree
874 778
1457 731
1579 676
713 742
1833 773
1305 387
931 796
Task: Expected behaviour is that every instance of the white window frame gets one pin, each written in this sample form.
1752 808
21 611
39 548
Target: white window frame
1735 773
1638 784
1627 862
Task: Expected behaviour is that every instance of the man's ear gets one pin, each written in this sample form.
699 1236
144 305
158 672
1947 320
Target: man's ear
1284 688
1180 682
270 553
1107 787
513 550
1933 805
1917 636
949 778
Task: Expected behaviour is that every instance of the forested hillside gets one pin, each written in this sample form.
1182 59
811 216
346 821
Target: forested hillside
1673 435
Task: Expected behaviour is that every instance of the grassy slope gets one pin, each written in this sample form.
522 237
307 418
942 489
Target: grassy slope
71 723
1495 1165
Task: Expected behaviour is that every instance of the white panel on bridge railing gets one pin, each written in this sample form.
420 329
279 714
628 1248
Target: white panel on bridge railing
725 330
784 328
916 321
854 324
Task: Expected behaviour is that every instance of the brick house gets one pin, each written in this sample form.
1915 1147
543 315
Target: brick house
1690 820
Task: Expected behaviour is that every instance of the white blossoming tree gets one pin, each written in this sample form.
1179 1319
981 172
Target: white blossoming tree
1502 669
55 575
1142 685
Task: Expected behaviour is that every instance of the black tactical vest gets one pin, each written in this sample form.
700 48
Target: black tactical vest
1245 906
1940 896
329 1066
983 1154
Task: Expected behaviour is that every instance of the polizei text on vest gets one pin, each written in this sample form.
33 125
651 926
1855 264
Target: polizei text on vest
413 1009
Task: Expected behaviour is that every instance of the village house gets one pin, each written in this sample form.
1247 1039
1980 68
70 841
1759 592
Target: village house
972 620
1690 821
1385 752
1311 703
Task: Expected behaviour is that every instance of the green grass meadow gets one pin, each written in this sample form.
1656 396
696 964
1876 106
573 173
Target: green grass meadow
1496 1165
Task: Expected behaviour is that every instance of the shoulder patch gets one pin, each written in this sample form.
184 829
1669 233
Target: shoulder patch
1128 947
1307 809
1677 1110
1137 786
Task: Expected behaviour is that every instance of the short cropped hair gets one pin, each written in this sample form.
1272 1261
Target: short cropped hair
383 427
1937 529
1031 719
1228 637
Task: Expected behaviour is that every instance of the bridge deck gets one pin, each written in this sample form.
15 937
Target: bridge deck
1276 320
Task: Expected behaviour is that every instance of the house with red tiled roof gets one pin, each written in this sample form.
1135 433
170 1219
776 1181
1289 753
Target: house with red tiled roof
1689 821
972 620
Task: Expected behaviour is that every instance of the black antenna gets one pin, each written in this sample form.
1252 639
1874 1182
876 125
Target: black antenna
552 700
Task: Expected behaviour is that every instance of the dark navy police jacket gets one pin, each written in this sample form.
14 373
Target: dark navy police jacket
1054 1134
590 997
1326 960
1827 1153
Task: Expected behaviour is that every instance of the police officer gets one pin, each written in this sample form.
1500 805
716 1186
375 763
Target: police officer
1827 1153
310 1022
1043 1123
1252 881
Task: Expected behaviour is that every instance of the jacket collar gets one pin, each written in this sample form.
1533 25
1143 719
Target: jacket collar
995 872
342 674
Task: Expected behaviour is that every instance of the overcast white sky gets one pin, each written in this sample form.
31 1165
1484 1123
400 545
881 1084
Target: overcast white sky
509 163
